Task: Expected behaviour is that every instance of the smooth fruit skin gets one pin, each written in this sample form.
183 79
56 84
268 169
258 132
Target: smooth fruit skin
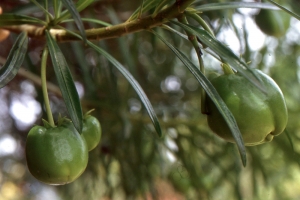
259 115
91 131
56 155
272 23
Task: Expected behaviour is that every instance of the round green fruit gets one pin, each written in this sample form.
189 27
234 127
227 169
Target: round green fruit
56 155
273 23
91 131
260 114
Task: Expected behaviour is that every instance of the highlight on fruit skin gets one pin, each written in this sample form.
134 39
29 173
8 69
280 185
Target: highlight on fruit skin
260 114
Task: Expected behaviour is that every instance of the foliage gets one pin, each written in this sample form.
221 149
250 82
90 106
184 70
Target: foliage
143 67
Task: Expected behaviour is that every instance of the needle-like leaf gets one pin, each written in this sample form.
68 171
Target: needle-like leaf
15 59
65 83
136 86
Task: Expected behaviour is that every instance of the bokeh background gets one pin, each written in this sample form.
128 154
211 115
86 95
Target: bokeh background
132 162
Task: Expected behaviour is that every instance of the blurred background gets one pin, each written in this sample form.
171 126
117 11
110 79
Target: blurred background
132 162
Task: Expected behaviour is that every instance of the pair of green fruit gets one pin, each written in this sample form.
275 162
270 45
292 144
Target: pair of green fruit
260 113
59 155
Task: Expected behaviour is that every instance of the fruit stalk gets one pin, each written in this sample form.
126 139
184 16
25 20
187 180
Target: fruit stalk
196 46
44 87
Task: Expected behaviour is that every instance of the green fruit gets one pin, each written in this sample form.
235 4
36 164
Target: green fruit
56 155
91 131
273 23
260 115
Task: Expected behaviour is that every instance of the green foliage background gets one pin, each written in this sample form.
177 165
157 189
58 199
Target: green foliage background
132 162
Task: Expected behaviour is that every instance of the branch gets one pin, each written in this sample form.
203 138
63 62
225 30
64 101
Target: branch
114 31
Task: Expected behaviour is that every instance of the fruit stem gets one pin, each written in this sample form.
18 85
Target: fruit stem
44 87
201 22
197 48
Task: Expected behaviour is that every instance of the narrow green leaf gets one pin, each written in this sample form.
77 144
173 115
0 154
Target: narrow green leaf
134 84
145 6
141 8
132 81
65 82
24 9
44 8
15 59
76 16
96 21
13 19
207 50
160 6
175 31
233 5
80 5
285 10
215 97
57 8
123 45
223 51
